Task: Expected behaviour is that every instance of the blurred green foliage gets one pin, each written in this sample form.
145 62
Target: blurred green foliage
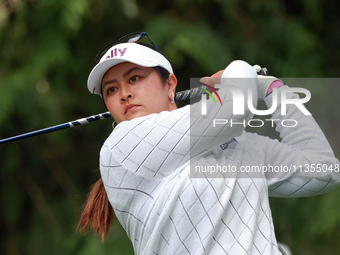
47 50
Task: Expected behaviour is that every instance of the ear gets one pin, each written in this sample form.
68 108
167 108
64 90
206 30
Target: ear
172 84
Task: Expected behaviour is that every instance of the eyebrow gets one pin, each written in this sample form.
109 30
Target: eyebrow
124 75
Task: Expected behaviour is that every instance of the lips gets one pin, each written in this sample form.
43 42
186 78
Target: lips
130 107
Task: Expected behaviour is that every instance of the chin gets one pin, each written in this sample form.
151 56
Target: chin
135 115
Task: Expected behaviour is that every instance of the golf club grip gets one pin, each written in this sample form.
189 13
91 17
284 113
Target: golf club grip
189 93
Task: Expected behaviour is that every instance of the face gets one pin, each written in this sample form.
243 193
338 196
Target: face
131 91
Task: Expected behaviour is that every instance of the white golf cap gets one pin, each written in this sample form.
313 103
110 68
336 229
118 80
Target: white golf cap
125 52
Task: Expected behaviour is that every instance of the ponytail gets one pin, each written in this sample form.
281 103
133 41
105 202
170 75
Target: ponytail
97 213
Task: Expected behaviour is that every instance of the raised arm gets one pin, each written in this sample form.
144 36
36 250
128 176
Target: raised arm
304 150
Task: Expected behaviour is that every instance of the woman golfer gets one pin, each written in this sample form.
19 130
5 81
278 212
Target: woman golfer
154 164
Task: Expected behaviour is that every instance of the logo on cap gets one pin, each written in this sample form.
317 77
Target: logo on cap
116 52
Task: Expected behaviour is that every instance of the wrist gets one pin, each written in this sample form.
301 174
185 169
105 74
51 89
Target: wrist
275 84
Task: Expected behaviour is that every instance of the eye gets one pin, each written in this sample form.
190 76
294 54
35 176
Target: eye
111 90
133 79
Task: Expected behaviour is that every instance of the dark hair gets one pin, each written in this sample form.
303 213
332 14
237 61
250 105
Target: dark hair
163 73
97 212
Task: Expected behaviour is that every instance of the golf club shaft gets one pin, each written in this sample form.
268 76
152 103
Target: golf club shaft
182 95
70 124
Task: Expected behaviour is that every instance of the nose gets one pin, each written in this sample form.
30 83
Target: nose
126 94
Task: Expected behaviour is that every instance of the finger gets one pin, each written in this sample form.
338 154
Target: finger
217 74
213 79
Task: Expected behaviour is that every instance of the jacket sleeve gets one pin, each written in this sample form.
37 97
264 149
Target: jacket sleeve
306 161
157 144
